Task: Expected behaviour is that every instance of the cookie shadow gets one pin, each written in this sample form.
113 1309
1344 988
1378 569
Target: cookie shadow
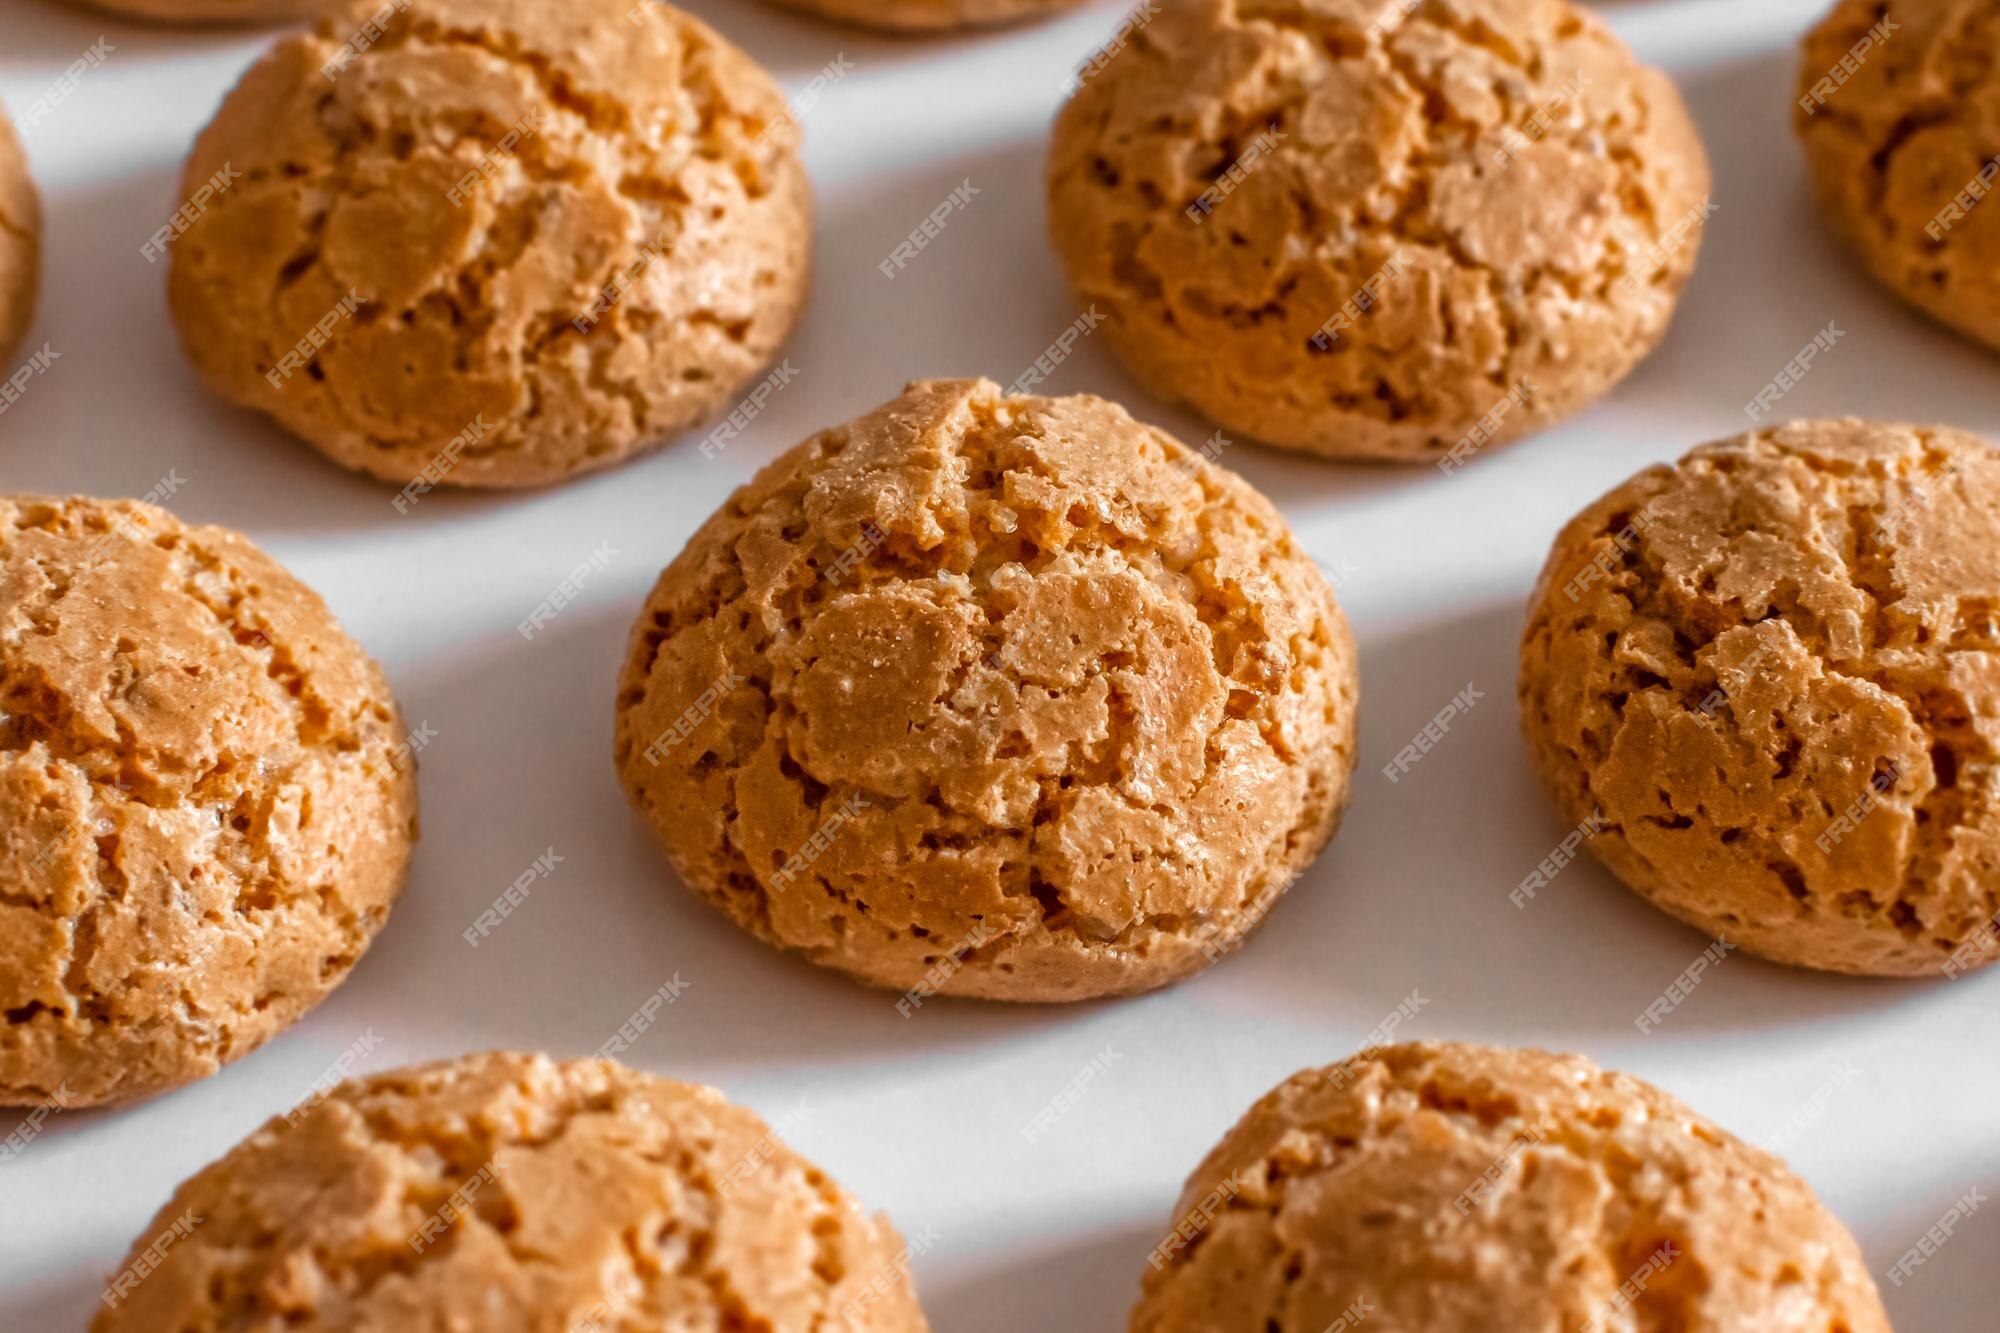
36 1298
1953 1286
1079 1282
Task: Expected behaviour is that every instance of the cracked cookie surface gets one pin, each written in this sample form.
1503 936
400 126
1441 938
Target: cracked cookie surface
1007 697
1462 1189
513 1194
214 11
204 813
929 15
20 243
507 242
1902 150
1402 216
1773 670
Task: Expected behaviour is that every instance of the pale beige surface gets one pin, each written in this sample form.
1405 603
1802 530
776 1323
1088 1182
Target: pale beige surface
1347 1184
214 11
1916 122
929 15
650 156
1096 703
204 818
600 1199
20 244
1783 690
1505 274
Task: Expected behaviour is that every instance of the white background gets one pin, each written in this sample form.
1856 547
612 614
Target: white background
923 1117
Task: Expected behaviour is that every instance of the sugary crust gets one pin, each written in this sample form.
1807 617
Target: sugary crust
542 1198
930 15
204 816
482 176
20 243
1094 703
1557 271
1913 122
214 11
1779 681
1342 1189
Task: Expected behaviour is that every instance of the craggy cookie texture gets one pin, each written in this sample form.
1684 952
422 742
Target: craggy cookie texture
929 15
512 1194
20 243
996 696
214 11
1899 108
204 811
1772 673
507 241
1464 1189
1364 229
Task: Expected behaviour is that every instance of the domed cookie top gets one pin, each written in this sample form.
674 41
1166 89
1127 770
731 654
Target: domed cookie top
215 11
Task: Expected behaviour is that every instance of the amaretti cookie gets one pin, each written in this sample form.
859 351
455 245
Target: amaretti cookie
207 801
20 244
513 1194
929 15
1464 1189
1767 676
214 11
1009 697
1382 231
1899 109
494 244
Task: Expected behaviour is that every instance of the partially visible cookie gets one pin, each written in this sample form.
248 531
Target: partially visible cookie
20 243
509 1193
929 15
495 243
207 804
1468 1189
1378 230
996 696
1899 108
214 11
1768 676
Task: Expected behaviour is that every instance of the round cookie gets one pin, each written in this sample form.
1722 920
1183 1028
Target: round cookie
507 242
213 11
1008 697
929 15
1899 109
20 243
1768 672
512 1194
205 809
1373 230
1467 1189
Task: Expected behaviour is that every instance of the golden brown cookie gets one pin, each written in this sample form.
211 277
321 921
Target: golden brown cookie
929 15
1008 697
1373 230
508 1193
1465 1189
215 11
1899 108
1770 671
207 800
20 243
507 242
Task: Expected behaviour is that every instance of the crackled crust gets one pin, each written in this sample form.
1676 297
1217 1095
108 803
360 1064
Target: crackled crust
1808 618
929 15
20 243
1343 1186
213 11
1504 276
1916 122
594 1197
1096 702
203 815
649 154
